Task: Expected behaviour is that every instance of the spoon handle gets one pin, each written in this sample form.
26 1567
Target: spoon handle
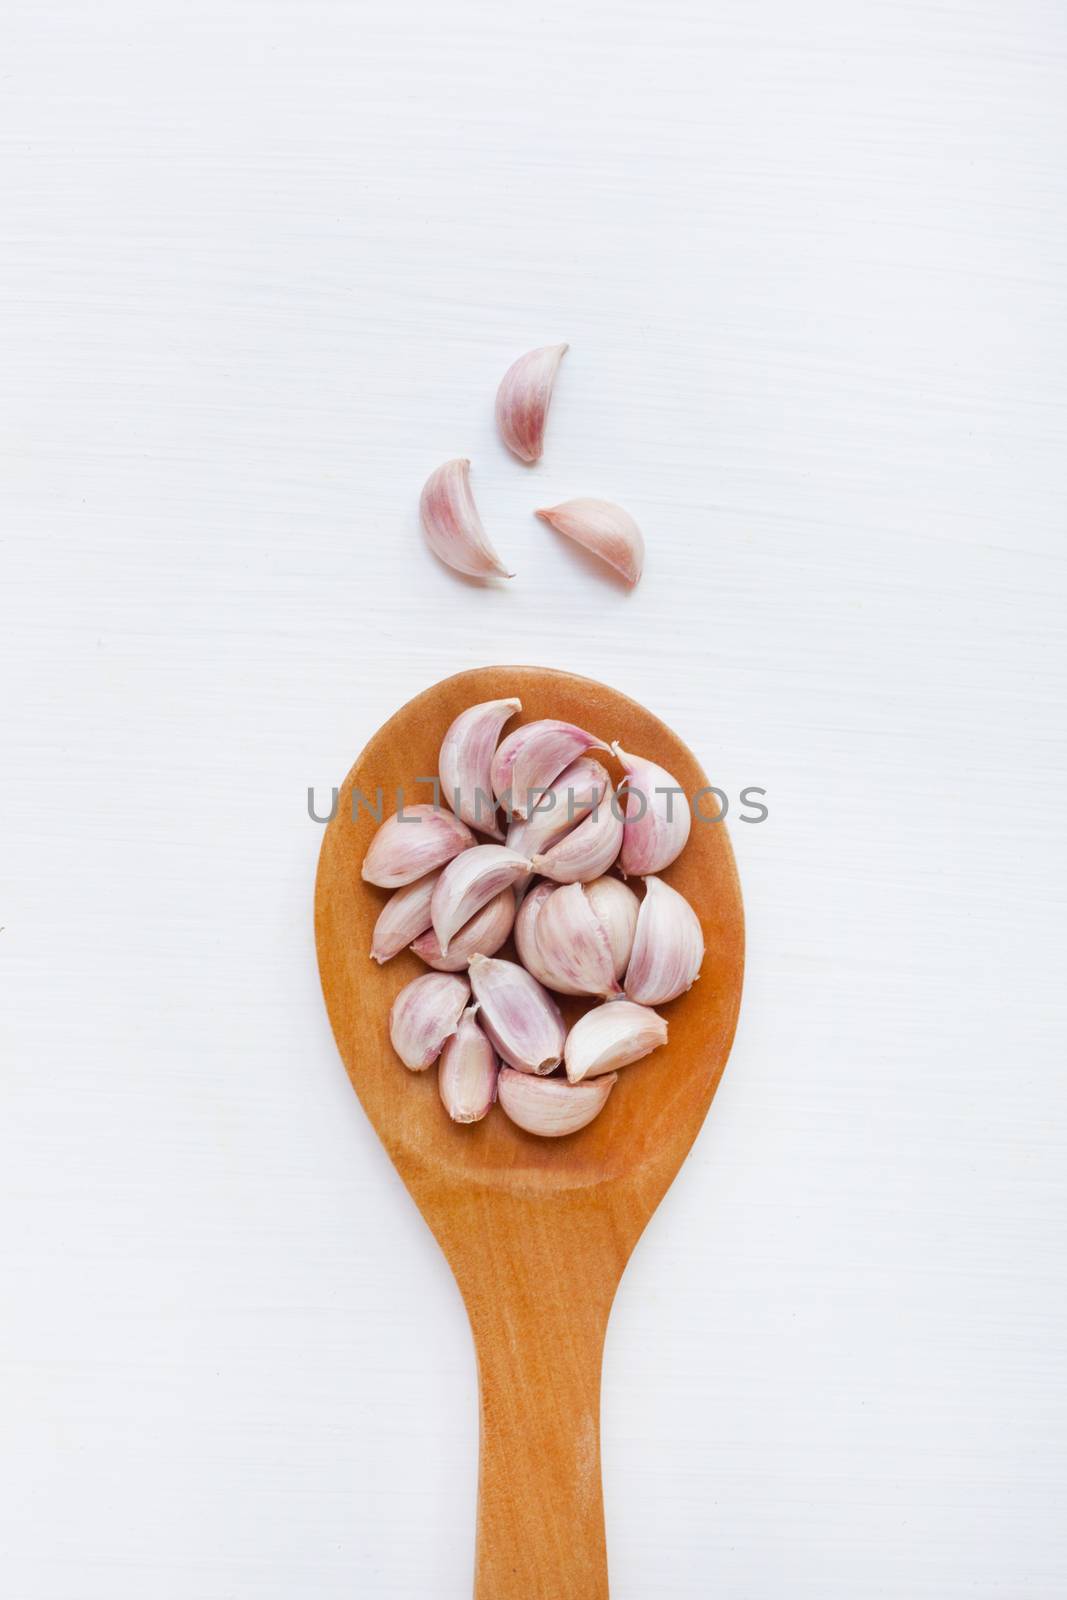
540 1504
538 1304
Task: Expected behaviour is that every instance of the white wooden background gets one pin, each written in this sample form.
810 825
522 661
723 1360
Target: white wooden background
263 264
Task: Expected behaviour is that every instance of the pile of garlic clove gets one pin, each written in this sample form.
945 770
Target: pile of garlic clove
450 517
557 827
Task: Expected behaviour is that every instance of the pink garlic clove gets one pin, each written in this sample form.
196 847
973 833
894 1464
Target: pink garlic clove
424 1014
483 935
562 806
523 399
467 1074
611 1036
668 947
658 818
526 942
469 883
452 525
551 1107
589 850
464 763
404 916
531 758
603 528
617 906
573 944
411 844
521 1019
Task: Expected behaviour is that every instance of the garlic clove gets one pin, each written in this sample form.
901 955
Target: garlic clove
573 943
668 947
469 882
605 529
522 1020
611 1036
526 942
412 843
658 818
464 762
468 1070
589 850
530 760
617 906
452 525
523 399
404 916
424 1014
562 806
483 935
551 1107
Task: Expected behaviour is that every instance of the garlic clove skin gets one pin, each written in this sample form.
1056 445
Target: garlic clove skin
658 818
573 943
562 806
452 525
424 1014
469 882
607 918
522 1020
467 1074
603 528
530 760
526 942
409 845
542 758
551 1107
617 906
589 850
611 1036
404 916
464 762
668 947
483 935
523 399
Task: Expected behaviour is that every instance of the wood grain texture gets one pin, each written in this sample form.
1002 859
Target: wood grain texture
536 1231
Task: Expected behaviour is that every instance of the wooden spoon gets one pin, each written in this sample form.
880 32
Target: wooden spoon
537 1231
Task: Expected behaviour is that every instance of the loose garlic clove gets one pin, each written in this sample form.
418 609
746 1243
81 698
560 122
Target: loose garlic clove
425 1013
551 1107
404 916
573 944
467 1074
617 906
611 1036
466 755
469 882
658 818
523 399
573 795
522 1020
452 525
603 528
526 943
483 935
414 842
668 947
531 759
589 851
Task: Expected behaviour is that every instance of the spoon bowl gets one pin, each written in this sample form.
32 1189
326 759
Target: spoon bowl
537 1231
